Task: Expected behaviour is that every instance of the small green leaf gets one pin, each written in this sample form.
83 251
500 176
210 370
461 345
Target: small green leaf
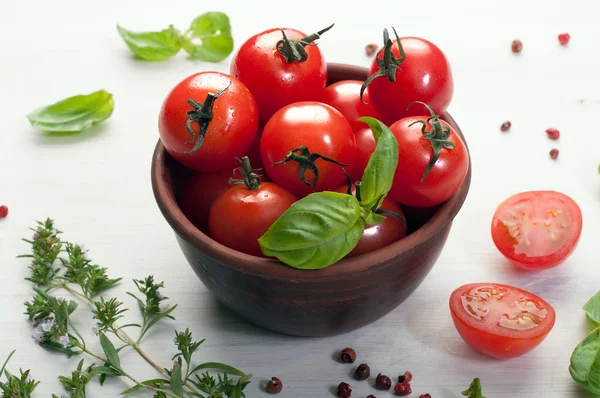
474 390
160 316
152 46
74 114
592 310
585 362
315 231
110 351
379 174
209 37
176 379
218 366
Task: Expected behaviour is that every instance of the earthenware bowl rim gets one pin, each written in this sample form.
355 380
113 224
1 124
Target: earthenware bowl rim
269 268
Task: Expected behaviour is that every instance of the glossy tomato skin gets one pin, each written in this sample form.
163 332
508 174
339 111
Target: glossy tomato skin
444 179
230 132
345 97
319 127
272 80
500 337
240 216
425 76
385 233
199 193
365 146
537 229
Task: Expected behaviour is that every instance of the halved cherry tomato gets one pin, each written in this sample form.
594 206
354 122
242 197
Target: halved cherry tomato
447 173
537 229
231 128
365 146
274 80
199 193
345 97
385 233
499 320
323 131
245 212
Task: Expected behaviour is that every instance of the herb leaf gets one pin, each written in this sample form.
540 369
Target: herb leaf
209 37
379 174
315 231
110 351
474 390
152 46
592 310
585 362
74 114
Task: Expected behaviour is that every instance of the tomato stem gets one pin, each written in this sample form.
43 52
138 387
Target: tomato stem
388 63
293 50
203 114
437 136
384 212
306 160
249 176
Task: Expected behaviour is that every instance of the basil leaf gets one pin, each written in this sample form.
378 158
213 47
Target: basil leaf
379 174
592 310
74 114
373 218
315 231
152 46
585 362
209 37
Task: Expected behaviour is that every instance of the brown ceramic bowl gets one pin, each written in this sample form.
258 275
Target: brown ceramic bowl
345 296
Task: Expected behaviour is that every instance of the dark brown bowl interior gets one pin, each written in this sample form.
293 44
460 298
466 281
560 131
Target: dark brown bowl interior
345 296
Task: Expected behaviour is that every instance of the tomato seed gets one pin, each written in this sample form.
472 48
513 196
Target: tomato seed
505 126
553 133
516 46
370 49
554 153
564 38
3 211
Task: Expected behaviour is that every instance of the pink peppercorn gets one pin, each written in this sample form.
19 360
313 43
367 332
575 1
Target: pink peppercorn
553 133
564 38
3 211
425 396
403 389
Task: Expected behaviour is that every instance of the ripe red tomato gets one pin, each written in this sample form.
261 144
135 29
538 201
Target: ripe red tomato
345 97
365 146
254 155
424 75
272 79
198 194
385 233
322 130
446 174
242 215
499 320
229 134
537 229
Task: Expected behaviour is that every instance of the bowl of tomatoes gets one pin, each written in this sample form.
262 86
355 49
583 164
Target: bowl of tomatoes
304 206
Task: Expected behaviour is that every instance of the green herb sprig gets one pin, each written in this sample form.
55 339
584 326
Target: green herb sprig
584 365
60 265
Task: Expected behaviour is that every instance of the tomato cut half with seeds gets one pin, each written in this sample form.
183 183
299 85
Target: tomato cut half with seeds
499 320
537 229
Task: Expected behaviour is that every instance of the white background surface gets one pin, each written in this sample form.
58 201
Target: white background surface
97 186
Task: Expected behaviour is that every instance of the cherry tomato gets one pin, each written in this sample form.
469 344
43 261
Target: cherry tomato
230 132
254 155
424 75
417 152
345 97
272 79
323 131
537 229
199 192
245 212
499 320
383 234
365 146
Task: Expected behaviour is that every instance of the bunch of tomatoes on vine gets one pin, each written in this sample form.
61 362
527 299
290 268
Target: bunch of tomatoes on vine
273 131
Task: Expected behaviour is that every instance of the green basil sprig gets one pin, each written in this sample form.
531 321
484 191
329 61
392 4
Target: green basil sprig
207 39
74 114
321 228
585 360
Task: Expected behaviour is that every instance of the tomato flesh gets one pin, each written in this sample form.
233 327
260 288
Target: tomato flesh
345 97
499 320
537 229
